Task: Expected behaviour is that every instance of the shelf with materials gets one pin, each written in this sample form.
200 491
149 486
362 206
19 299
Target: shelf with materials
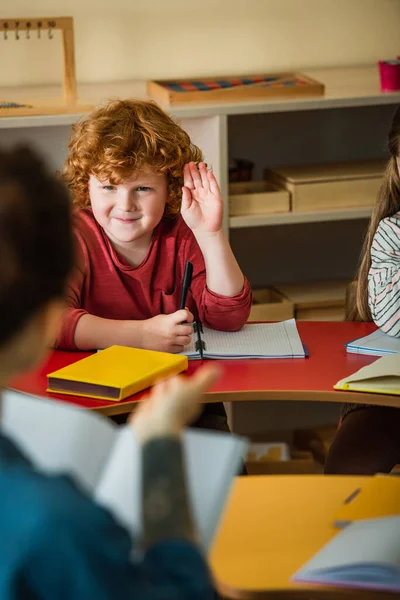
344 87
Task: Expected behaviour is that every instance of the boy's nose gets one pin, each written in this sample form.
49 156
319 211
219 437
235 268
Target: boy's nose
127 202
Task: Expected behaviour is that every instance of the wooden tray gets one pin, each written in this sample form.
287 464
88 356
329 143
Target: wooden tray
257 198
228 88
329 186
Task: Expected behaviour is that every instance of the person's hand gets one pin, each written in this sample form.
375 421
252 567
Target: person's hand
172 404
168 333
202 205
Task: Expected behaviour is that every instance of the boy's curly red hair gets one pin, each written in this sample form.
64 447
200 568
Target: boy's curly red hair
122 138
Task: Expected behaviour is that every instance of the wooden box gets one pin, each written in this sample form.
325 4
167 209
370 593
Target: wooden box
270 305
239 88
329 186
257 198
316 301
299 463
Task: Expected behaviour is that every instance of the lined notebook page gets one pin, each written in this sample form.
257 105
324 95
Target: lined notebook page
190 350
265 340
375 344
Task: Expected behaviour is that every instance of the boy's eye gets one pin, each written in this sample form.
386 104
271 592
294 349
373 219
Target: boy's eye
143 188
108 188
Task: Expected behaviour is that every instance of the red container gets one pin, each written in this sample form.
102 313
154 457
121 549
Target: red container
389 71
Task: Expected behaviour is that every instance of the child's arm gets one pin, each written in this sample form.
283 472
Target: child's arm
224 298
202 210
384 276
165 333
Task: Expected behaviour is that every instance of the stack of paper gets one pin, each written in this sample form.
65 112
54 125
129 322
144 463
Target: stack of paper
375 344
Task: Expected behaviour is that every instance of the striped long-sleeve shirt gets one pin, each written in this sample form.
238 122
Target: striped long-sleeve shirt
384 276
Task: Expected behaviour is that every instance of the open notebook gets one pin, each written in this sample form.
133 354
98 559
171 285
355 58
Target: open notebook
379 497
381 377
265 340
375 344
366 554
105 459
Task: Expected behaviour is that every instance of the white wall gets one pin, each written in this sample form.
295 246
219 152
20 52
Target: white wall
134 39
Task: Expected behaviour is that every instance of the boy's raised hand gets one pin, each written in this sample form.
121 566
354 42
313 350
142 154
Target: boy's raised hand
168 333
172 404
202 204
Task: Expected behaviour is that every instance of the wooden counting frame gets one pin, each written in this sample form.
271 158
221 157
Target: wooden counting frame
11 28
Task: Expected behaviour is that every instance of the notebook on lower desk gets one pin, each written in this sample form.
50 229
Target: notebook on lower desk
366 554
377 343
264 340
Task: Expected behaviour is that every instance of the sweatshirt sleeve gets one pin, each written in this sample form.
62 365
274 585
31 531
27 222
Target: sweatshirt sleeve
74 310
224 313
384 276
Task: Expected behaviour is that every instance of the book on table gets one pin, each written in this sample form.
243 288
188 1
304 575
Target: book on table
105 459
380 377
366 554
115 373
377 343
263 340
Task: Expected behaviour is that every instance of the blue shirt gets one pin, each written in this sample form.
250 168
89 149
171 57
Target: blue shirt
56 544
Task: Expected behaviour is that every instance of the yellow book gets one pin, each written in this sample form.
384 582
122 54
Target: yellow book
381 377
115 373
380 497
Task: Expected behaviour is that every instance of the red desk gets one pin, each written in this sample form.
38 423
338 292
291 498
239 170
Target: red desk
273 379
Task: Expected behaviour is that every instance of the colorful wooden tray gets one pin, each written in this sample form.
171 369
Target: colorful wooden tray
234 88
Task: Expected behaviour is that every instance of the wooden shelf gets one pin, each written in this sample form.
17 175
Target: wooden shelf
293 218
344 87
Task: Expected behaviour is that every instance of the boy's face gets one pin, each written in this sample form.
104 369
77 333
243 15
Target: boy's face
129 211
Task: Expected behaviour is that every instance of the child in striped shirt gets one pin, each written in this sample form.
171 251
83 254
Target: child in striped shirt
368 439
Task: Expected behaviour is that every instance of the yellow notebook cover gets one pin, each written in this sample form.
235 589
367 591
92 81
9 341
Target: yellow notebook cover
115 373
380 497
380 377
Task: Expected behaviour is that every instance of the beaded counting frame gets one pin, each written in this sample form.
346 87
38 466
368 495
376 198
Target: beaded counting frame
237 88
12 28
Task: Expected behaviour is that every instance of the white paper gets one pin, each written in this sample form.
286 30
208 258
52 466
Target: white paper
119 487
375 344
264 340
365 553
106 460
382 375
58 437
212 459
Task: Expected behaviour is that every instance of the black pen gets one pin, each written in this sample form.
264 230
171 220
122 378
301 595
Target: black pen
187 280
